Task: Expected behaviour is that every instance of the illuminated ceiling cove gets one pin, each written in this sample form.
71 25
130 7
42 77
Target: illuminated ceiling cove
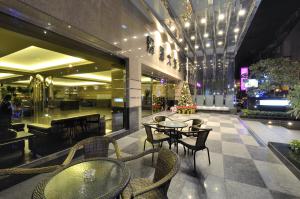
35 59
67 82
104 76
7 75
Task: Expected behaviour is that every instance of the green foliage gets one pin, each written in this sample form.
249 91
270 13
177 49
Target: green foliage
185 96
269 114
295 145
294 97
278 71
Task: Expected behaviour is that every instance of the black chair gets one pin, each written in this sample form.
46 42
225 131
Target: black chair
196 142
196 124
154 137
160 118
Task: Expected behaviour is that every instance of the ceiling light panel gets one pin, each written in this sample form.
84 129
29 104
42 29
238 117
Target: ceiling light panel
37 59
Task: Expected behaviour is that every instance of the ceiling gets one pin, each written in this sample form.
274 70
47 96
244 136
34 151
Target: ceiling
104 76
37 59
66 82
22 56
208 32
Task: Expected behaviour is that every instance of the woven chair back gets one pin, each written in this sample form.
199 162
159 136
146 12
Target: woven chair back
159 118
167 165
148 130
202 137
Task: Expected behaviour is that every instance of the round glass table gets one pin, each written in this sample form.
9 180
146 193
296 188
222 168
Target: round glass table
173 124
93 178
174 135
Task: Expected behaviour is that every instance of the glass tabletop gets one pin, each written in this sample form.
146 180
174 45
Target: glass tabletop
95 178
172 124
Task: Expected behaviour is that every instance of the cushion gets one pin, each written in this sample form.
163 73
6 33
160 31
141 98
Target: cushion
189 141
137 184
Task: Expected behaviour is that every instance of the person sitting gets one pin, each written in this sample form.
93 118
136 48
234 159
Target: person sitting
5 118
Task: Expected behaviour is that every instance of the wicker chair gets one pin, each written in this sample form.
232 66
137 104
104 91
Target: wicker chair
154 138
196 124
28 171
160 118
196 143
167 166
93 147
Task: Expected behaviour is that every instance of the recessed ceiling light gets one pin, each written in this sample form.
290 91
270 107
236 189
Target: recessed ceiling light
45 32
220 32
196 46
205 35
172 28
49 24
134 37
207 45
146 34
220 43
221 17
125 39
236 30
124 26
242 12
115 43
203 21
140 48
69 26
180 39
187 24
193 37
186 48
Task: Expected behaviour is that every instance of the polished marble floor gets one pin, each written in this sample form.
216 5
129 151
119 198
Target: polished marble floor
241 168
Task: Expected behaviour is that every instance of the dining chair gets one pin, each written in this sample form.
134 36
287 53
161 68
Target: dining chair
28 171
167 166
96 146
160 118
195 124
196 141
154 137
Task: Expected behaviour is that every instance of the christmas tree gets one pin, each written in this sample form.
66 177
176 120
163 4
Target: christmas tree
185 96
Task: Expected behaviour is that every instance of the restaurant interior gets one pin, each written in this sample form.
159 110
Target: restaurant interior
49 82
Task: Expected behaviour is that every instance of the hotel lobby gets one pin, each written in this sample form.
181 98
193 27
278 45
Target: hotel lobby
149 99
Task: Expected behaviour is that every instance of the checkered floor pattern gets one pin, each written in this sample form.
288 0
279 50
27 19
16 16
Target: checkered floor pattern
240 167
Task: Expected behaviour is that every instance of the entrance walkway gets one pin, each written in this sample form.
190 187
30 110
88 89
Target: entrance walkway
240 167
271 133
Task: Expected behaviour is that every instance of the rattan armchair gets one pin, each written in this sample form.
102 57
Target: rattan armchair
154 137
160 118
196 143
93 147
28 171
167 166
196 124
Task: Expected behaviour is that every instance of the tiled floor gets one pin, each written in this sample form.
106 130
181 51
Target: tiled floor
240 167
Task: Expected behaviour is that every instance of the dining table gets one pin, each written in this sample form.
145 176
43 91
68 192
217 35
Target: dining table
173 127
96 178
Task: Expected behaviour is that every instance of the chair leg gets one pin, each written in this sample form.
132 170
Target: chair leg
208 155
195 160
177 147
152 154
145 145
184 150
